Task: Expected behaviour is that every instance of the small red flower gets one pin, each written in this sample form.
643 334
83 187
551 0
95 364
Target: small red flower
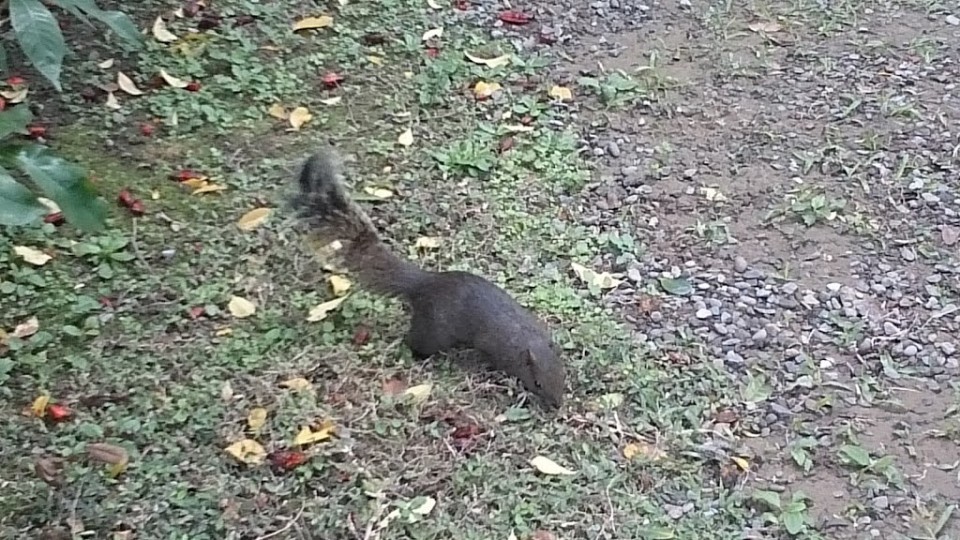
56 219
147 129
58 413
195 312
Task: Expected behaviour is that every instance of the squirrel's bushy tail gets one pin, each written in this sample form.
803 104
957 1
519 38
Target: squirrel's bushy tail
332 215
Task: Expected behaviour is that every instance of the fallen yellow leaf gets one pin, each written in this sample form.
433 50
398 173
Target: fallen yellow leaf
115 456
207 187
241 307
601 280
648 451
26 329
483 90
253 219
308 436
161 33
32 256
339 284
173 81
278 111
406 138
434 33
375 60
39 406
297 383
299 117
247 451
561 93
548 466
499 61
308 23
418 393
428 242
257 418
127 85
380 193
742 463
106 64
320 312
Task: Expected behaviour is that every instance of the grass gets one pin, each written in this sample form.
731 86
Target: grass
136 338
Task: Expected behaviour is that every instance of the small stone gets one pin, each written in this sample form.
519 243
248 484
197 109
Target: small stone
881 503
704 313
739 264
907 254
613 149
910 350
952 20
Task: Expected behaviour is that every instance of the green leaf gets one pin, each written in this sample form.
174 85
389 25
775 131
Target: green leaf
18 205
71 7
65 183
794 522
855 454
769 498
117 21
676 286
14 120
39 37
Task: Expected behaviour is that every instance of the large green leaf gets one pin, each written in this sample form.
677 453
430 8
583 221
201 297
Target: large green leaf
65 183
18 205
71 7
14 120
117 21
39 37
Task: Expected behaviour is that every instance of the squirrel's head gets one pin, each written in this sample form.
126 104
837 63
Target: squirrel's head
545 374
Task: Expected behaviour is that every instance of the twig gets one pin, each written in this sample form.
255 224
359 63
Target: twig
287 526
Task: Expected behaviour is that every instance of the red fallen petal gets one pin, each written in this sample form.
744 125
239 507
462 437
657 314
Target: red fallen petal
193 87
515 17
137 208
526 120
195 312
433 52
332 79
287 459
506 144
186 174
147 129
125 198
37 132
16 81
468 431
58 413
55 218
462 5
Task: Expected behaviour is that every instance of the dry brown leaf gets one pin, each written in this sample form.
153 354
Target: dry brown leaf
247 451
206 187
278 111
257 418
394 387
160 32
15 96
339 285
309 436
299 117
115 456
741 462
308 23
127 85
48 469
496 62
320 312
31 255
112 102
418 393
648 451
26 329
241 307
39 406
428 242
548 466
767 27
173 81
431 34
380 193
483 90
406 138
253 219
298 384
561 93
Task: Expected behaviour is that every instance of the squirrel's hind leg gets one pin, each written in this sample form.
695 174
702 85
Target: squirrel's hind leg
428 337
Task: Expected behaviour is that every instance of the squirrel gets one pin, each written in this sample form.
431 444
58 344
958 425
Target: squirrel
449 309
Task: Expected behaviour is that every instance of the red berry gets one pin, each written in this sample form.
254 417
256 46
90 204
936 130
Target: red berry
147 129
58 413
137 208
